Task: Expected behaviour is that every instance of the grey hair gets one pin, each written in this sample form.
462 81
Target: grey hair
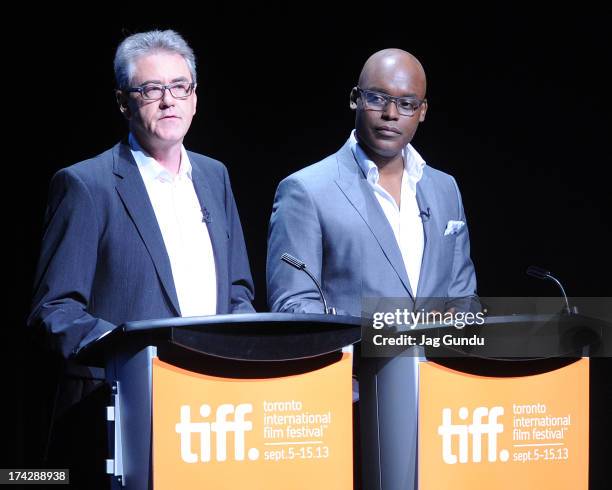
144 43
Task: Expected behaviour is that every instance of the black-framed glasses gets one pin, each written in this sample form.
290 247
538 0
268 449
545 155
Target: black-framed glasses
377 101
156 91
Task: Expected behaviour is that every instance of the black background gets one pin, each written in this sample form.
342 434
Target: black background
518 112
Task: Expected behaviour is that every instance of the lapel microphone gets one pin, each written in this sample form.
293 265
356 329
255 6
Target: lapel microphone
425 215
206 216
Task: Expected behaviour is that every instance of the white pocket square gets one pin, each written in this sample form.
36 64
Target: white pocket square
453 227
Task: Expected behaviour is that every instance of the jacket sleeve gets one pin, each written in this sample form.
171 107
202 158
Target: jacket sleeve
66 268
462 288
294 229
241 286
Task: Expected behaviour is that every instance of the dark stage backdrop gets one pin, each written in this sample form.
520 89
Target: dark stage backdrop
518 113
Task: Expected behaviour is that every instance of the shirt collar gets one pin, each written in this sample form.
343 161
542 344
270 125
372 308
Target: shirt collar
151 168
413 163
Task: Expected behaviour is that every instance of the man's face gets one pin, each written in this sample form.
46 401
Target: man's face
385 133
164 122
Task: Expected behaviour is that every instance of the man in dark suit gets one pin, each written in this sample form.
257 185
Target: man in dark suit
146 229
119 227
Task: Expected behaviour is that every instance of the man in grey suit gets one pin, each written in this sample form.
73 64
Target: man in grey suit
374 221
144 230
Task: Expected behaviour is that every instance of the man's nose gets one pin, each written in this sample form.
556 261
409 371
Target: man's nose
390 110
167 99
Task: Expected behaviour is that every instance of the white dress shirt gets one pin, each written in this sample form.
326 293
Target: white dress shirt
185 234
405 220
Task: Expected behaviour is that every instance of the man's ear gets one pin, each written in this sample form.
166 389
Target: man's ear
353 98
423 111
195 100
122 102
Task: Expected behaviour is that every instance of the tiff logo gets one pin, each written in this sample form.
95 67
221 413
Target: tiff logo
221 426
477 429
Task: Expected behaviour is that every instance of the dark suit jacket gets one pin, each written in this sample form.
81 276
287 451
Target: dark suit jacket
103 261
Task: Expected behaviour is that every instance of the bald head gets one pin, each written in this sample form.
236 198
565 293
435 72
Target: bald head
382 130
394 63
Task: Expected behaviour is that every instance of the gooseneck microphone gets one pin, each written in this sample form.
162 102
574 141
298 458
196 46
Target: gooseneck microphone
539 273
301 266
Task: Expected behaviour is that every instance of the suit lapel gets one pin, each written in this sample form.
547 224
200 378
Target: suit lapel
217 229
357 190
427 202
133 193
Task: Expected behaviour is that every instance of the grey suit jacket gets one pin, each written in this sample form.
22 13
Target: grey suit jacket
103 261
328 216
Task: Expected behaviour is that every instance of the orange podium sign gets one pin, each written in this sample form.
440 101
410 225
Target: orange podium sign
504 433
274 433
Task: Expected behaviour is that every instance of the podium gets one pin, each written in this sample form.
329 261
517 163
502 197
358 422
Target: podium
230 401
514 411
263 397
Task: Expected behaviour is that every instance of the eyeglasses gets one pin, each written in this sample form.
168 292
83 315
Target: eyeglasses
156 91
377 101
